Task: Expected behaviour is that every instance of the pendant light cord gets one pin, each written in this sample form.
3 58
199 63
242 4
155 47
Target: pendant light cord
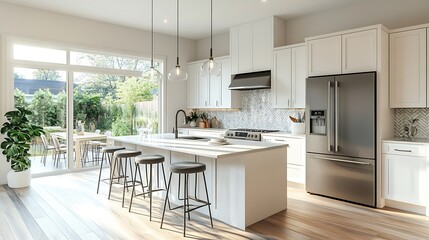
177 32
211 28
151 61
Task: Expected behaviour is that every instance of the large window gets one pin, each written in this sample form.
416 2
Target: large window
108 95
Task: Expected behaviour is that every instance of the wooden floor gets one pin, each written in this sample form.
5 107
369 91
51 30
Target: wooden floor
67 207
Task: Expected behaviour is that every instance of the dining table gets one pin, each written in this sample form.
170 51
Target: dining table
79 141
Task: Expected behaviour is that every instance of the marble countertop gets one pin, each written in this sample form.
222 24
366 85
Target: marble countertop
204 129
198 147
284 134
408 140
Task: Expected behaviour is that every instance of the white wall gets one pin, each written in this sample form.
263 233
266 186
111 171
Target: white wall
220 46
43 25
391 13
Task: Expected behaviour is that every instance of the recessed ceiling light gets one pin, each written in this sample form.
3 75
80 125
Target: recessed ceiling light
165 21
263 0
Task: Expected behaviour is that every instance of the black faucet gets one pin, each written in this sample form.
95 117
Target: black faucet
176 133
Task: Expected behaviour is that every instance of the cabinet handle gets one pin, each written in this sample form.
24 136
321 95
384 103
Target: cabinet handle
205 103
400 150
217 103
288 103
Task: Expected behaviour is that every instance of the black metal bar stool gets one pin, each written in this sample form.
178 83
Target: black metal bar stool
107 154
187 168
147 160
125 155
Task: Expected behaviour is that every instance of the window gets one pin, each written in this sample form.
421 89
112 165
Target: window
108 93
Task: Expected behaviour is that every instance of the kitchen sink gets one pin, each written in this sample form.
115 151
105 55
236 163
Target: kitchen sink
194 138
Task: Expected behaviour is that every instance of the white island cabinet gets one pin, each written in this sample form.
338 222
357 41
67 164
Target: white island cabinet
246 180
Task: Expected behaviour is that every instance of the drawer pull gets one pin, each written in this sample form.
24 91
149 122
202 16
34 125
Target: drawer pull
400 150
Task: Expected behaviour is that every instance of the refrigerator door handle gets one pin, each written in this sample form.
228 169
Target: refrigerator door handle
341 160
328 119
337 102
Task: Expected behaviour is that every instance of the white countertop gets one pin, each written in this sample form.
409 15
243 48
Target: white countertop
198 147
204 129
284 134
408 140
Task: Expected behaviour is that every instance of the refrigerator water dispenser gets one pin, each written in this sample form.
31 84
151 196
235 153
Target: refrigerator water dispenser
318 122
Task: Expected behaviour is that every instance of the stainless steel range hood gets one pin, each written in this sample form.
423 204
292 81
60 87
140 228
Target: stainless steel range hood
249 81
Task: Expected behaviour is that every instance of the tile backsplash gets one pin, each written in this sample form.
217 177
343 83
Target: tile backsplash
403 117
256 112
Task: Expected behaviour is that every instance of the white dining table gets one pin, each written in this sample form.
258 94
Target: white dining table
78 141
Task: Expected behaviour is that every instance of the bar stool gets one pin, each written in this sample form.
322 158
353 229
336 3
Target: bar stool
107 151
147 160
126 155
187 168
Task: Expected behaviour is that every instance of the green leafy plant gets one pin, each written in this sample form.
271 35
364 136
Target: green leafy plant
19 133
204 116
193 116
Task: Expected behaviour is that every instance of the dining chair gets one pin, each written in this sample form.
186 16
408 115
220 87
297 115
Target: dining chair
46 148
59 149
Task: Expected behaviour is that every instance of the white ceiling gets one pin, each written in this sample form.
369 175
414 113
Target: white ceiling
194 14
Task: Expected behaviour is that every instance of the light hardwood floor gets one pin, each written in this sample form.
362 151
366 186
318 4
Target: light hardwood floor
67 207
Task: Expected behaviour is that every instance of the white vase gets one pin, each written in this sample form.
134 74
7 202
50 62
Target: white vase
193 124
297 128
19 179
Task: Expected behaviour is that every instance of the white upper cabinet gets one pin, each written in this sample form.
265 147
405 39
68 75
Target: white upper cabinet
408 69
299 75
289 76
251 44
349 52
282 79
359 51
211 92
324 56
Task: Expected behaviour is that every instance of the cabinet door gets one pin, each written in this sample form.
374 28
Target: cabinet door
245 47
408 69
262 44
233 45
215 91
405 179
226 81
299 74
203 91
324 56
294 151
193 85
282 82
359 51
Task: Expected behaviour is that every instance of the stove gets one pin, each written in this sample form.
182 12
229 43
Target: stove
247 134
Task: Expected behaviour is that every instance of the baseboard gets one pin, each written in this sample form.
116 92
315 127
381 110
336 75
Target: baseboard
406 207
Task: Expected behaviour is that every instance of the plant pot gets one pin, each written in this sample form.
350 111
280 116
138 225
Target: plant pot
19 179
202 124
297 128
193 124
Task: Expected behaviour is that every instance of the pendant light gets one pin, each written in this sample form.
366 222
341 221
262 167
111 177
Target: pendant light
153 74
211 67
177 73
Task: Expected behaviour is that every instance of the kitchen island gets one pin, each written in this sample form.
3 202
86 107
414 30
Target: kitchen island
246 180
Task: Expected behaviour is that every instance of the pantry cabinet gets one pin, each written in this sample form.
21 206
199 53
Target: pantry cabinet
211 91
289 76
347 52
251 44
408 75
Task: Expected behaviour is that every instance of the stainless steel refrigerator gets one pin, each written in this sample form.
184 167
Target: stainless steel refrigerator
341 137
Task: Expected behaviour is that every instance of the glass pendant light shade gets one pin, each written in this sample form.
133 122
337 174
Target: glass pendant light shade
177 74
211 67
153 74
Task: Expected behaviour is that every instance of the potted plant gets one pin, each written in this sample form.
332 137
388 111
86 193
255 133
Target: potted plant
204 120
192 119
16 146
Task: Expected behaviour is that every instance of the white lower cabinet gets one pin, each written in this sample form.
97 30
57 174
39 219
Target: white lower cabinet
295 155
405 177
